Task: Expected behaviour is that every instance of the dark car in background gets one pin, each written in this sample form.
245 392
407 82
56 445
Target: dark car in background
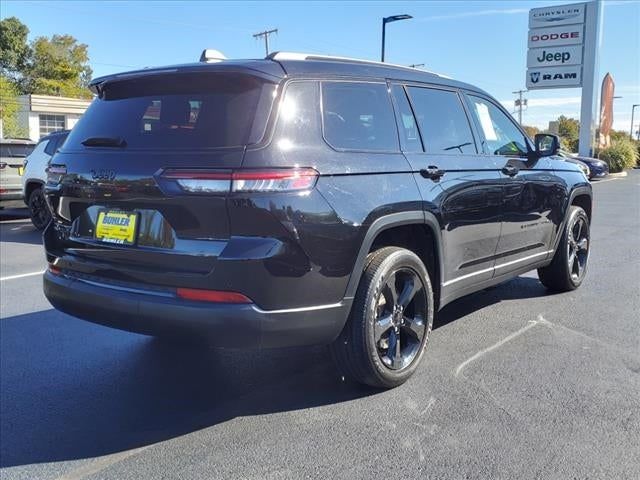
597 168
301 200
13 151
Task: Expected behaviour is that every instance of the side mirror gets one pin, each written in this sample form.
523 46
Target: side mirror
546 144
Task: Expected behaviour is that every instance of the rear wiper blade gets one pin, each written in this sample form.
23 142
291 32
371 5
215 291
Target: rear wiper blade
104 142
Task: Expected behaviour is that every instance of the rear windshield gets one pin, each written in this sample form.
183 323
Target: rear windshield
9 150
179 111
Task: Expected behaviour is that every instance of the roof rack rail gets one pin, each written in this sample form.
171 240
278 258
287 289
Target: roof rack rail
277 56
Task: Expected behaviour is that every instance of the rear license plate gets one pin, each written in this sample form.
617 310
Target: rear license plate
117 227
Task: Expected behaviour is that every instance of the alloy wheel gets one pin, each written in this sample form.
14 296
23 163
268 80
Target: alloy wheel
400 324
578 248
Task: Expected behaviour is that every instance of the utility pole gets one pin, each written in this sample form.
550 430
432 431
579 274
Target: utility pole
265 34
633 110
520 102
416 65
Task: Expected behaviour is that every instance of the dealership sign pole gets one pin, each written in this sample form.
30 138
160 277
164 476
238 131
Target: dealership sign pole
564 43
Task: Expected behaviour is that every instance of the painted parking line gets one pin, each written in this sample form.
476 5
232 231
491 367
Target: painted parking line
22 275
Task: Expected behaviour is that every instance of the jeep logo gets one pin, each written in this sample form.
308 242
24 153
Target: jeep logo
103 174
561 57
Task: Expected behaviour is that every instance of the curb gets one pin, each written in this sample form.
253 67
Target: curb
619 174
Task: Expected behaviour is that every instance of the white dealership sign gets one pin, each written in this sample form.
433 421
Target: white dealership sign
562 15
556 37
554 77
554 56
564 42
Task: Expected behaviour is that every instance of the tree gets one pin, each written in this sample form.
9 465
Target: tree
568 130
9 108
52 66
59 66
14 49
531 131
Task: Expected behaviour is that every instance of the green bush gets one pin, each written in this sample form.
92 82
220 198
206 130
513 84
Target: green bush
621 155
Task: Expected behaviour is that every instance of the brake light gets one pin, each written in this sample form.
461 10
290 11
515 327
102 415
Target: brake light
200 181
55 173
54 270
214 296
217 181
284 180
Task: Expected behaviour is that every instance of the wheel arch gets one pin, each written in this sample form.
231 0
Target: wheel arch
379 234
29 186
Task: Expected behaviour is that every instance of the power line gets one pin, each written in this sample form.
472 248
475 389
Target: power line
519 103
265 35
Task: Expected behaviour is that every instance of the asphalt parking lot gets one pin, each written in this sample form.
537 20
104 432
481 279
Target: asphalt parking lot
516 383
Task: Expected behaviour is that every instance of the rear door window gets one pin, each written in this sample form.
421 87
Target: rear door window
358 116
407 125
442 120
179 111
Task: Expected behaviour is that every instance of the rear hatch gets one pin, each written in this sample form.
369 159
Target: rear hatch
12 155
121 210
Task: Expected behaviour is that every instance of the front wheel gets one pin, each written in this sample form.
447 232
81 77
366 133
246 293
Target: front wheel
38 209
569 265
386 334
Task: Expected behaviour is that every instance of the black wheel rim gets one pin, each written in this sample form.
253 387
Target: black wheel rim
578 248
39 210
400 324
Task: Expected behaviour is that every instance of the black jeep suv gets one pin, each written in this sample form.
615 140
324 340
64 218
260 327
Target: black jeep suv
302 200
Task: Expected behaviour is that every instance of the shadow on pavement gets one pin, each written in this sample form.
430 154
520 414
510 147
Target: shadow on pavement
516 289
72 390
20 231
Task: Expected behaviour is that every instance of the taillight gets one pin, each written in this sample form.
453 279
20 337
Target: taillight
284 180
217 181
55 173
214 296
200 181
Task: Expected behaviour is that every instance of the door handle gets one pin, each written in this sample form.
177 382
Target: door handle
432 172
510 170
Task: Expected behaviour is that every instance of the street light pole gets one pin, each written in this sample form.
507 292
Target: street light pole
633 109
385 20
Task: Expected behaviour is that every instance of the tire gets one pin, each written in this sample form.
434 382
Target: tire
382 344
568 268
38 209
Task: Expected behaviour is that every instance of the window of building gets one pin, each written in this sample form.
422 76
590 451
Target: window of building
50 123
442 120
358 116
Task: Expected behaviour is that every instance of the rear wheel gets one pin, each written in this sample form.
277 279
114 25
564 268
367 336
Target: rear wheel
38 209
569 265
386 334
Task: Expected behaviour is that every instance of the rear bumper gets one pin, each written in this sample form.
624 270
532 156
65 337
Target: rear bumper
12 198
221 325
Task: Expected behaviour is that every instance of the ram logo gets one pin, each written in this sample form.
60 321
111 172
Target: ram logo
535 76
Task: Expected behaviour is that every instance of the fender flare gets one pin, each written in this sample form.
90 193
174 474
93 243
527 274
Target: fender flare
386 222
581 190
27 183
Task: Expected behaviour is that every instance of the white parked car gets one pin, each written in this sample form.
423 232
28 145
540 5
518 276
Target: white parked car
35 177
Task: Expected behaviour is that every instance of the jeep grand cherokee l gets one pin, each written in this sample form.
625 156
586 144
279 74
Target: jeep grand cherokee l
302 200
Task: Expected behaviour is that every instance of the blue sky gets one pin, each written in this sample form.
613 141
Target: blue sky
479 42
